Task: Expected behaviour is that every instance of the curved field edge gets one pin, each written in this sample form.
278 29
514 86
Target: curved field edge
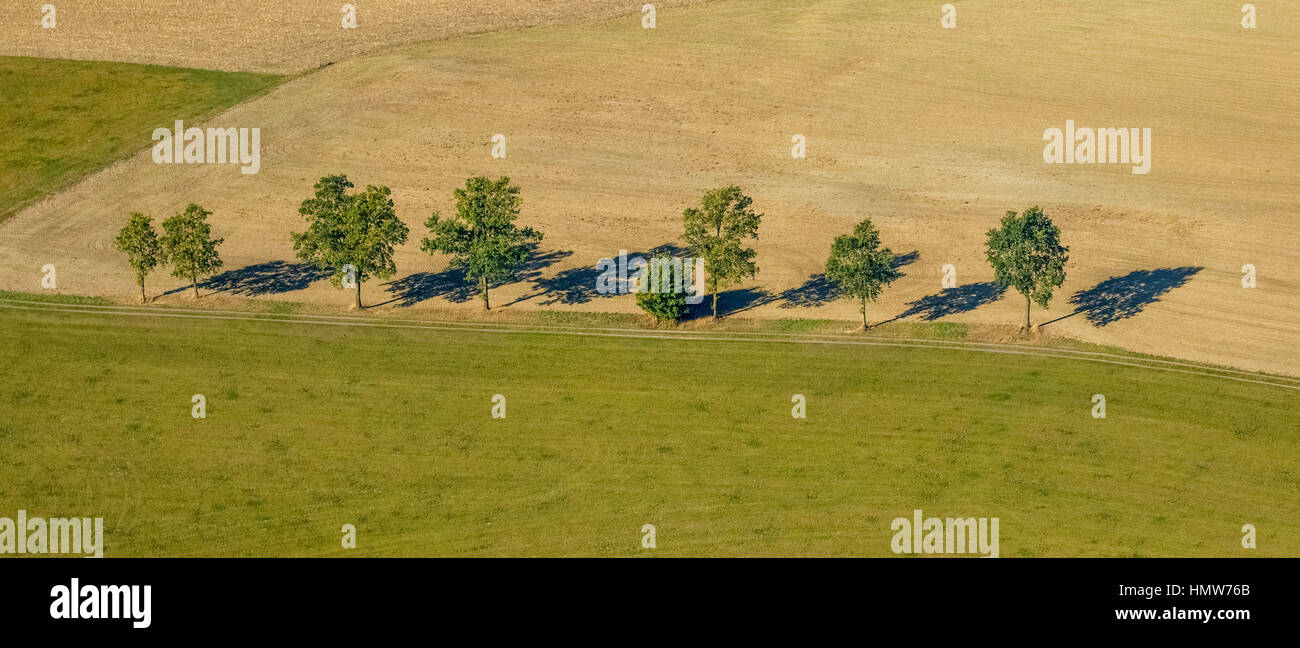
310 428
63 120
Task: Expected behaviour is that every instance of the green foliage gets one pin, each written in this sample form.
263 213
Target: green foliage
1026 254
665 304
361 230
482 237
859 266
187 242
138 241
715 230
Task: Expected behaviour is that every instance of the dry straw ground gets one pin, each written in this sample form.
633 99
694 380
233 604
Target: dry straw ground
280 36
613 130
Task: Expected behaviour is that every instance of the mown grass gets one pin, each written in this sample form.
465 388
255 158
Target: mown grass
312 427
62 120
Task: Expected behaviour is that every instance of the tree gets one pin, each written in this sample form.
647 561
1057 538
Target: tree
860 267
715 231
187 242
359 230
482 237
1026 254
139 243
662 302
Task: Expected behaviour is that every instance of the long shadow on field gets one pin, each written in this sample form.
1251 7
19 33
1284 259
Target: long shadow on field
907 259
732 302
450 284
455 286
572 286
270 278
951 301
1123 297
538 261
578 285
817 291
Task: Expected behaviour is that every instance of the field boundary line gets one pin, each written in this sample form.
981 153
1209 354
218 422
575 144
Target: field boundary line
754 335
898 343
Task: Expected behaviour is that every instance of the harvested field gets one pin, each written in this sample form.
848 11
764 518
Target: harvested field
279 36
933 133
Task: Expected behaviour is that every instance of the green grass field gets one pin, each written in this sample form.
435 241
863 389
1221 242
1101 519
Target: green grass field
62 120
310 427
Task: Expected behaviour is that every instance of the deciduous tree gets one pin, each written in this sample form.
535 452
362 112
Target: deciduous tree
188 244
860 266
716 231
357 230
657 292
482 237
1026 254
139 243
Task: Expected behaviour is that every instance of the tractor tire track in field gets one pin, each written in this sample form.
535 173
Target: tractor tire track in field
694 336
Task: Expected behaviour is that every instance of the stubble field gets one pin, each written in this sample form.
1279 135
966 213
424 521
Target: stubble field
612 130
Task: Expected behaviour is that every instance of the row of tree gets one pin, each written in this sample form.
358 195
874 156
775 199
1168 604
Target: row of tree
1025 252
353 236
186 243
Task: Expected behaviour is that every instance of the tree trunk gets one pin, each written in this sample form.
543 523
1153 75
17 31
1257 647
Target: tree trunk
487 305
143 300
194 281
713 281
1026 313
359 307
864 313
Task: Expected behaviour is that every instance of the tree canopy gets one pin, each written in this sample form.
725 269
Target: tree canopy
138 241
860 266
657 292
187 242
482 237
1026 254
716 230
353 236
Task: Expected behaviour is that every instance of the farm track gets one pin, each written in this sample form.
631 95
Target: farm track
1154 364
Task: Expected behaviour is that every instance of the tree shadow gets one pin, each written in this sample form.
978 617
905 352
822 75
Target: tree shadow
907 259
572 286
951 301
531 270
578 285
820 290
454 285
450 284
816 292
732 302
1123 297
270 278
